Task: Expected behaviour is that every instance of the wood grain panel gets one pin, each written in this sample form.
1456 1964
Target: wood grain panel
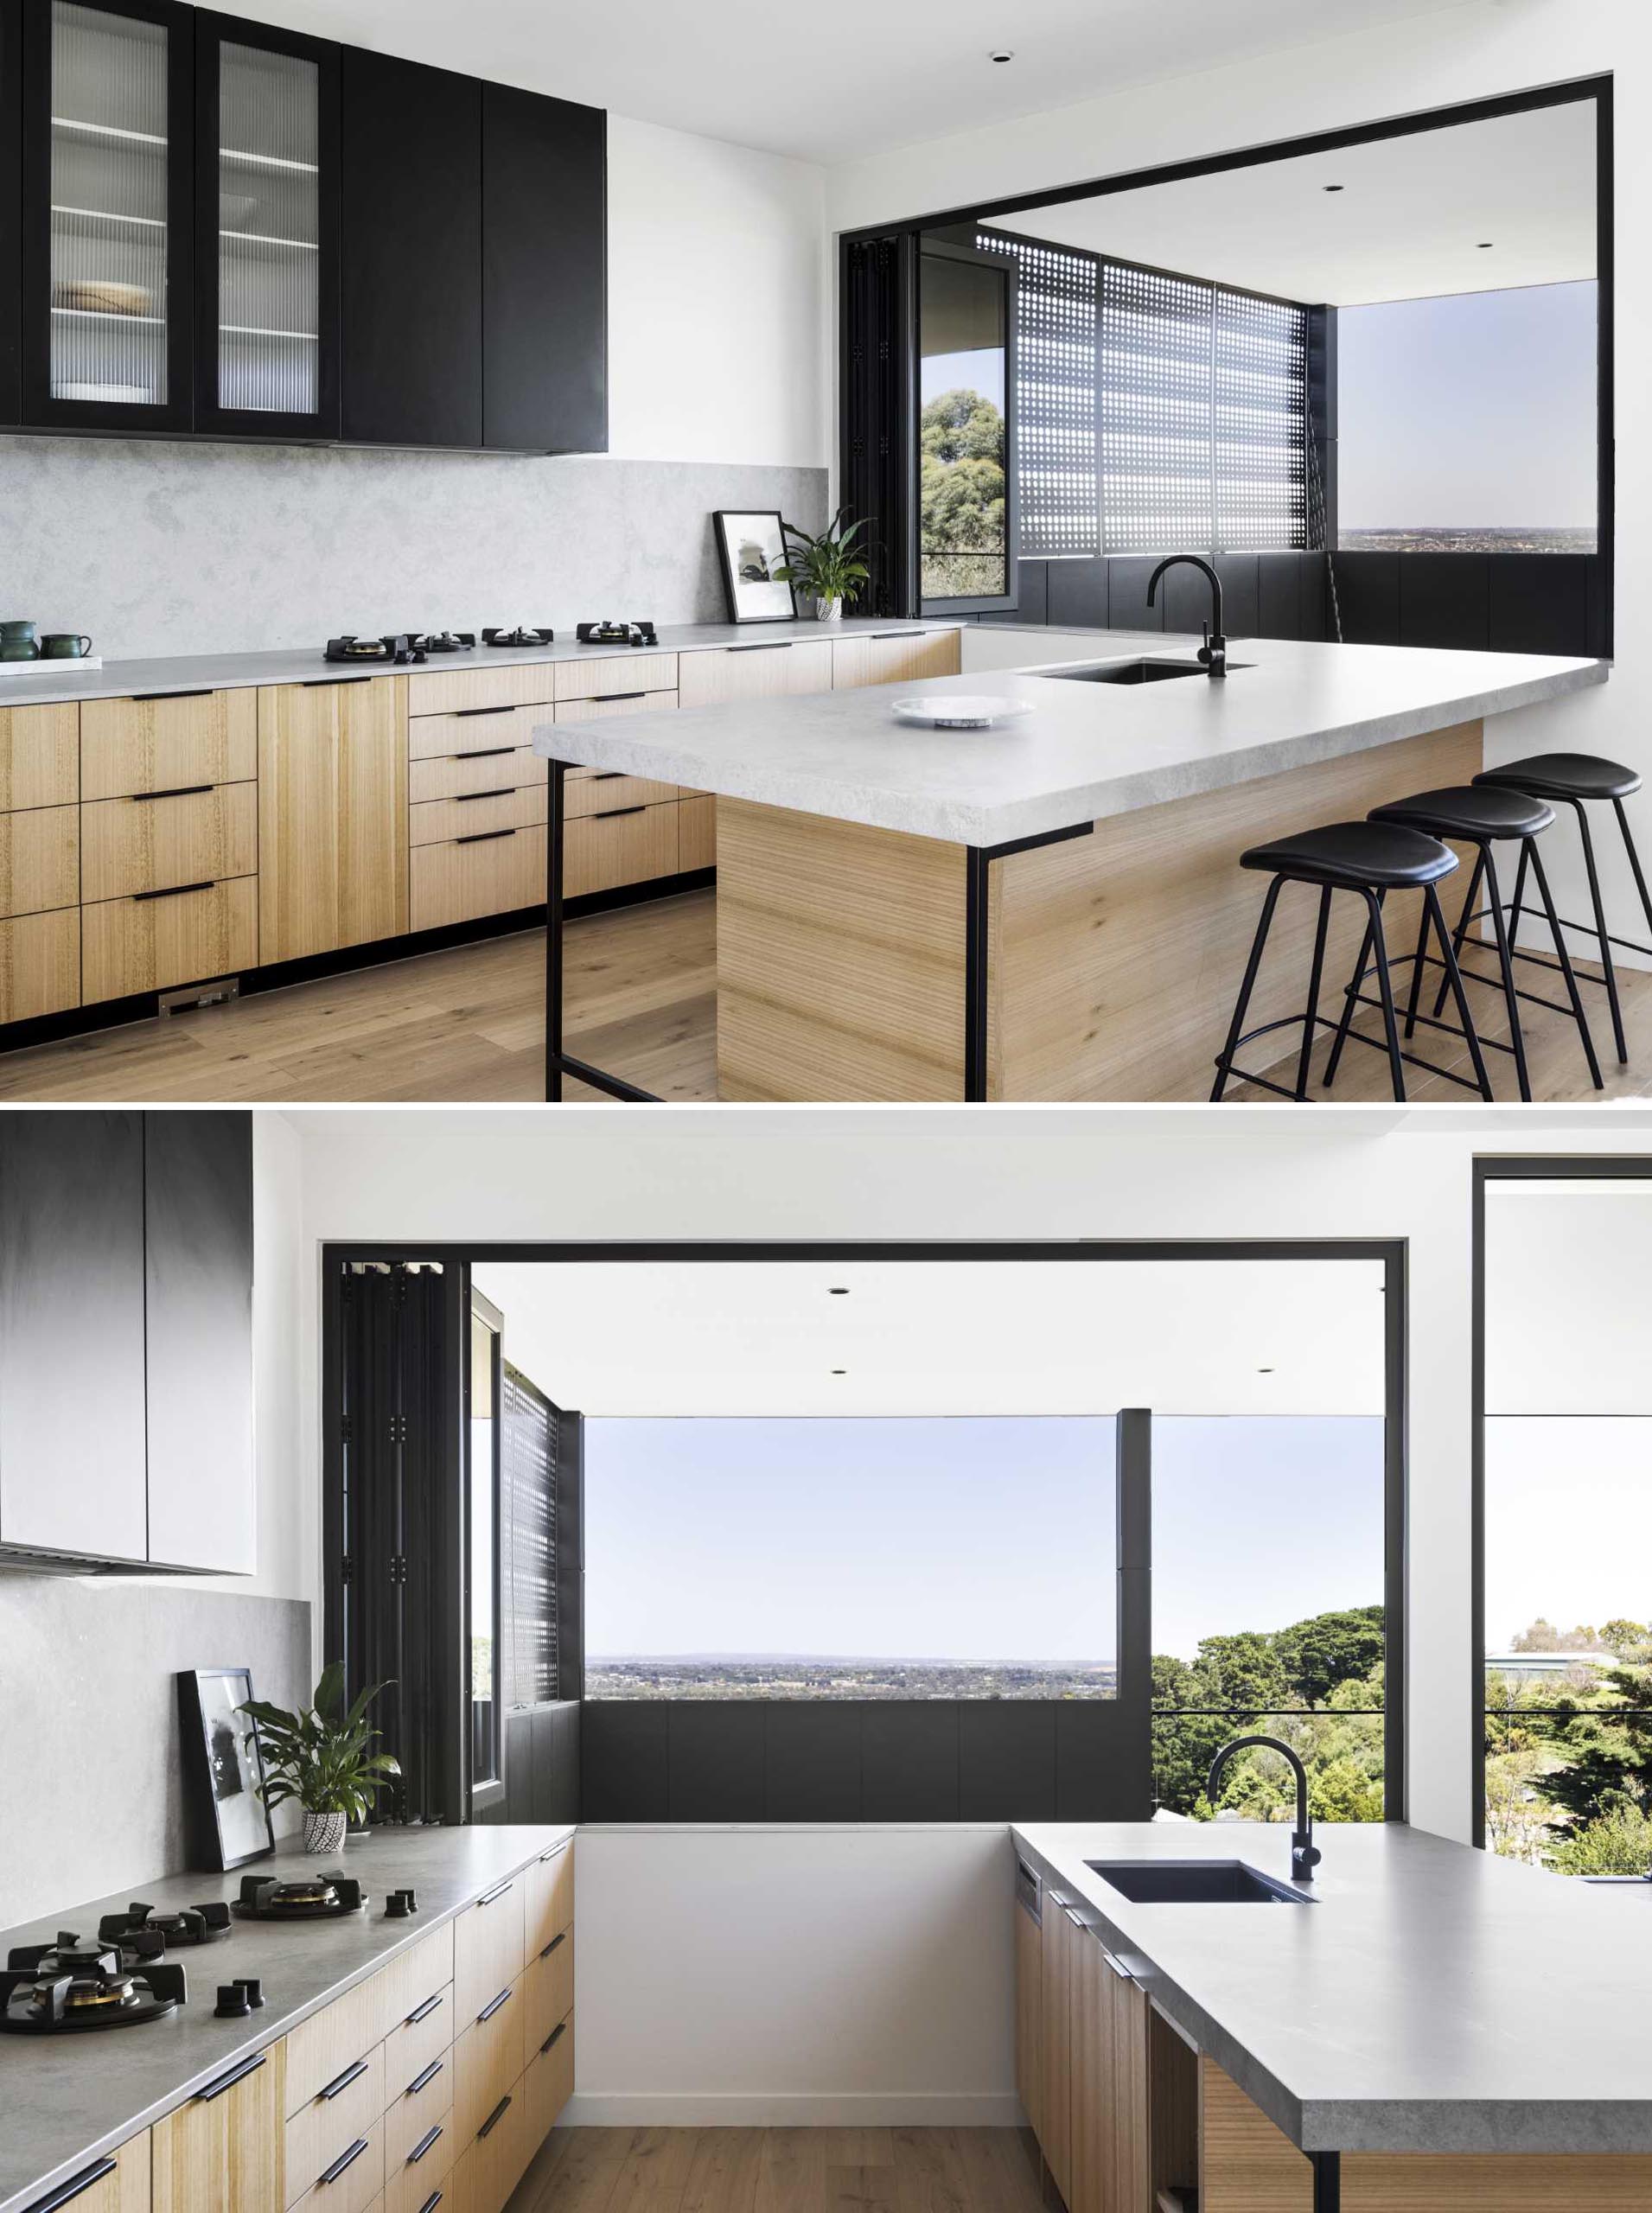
1029 2017
411 2114
454 776
224 2154
332 816
149 844
419 1972
482 730
1061 1941
459 882
601 851
434 822
153 745
1127 2185
840 959
127 2189
617 676
708 680
603 708
409 2181
599 791
697 832
547 1989
39 860
856 661
359 2188
548 2081
40 965
1173 2108
154 945
488 1951
1090 2087
326 2127
487 2059
40 755
489 2168
1116 957
548 1903
459 690
1246 2163
319 2049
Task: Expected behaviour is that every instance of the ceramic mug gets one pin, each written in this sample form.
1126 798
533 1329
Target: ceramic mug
18 642
64 644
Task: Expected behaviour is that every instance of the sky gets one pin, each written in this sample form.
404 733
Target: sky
1476 409
964 1540
1568 1521
981 372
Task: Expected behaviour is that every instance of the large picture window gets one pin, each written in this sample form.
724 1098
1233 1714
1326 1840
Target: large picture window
965 357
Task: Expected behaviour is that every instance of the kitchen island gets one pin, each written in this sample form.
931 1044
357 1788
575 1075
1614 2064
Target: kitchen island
1050 908
1437 2029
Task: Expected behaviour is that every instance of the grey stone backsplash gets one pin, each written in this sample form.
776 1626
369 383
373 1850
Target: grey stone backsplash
156 547
89 1745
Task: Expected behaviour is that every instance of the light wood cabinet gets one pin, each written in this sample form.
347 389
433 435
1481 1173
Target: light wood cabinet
488 768
547 1990
343 2112
423 2166
39 860
40 965
610 703
354 2182
486 872
119 2182
424 2103
40 756
323 2048
548 1901
403 1991
697 832
488 2058
898 656
549 2082
166 743
1029 2015
488 1950
474 691
489 2169
616 679
222 2153
627 844
438 821
601 791
332 816
475 733
151 944
766 671
1062 1937
145 843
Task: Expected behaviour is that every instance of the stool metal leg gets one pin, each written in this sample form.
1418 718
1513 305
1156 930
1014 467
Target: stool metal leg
1315 973
1459 935
1349 998
1576 806
1528 850
1224 1066
1634 861
1435 913
1505 964
1385 984
1419 962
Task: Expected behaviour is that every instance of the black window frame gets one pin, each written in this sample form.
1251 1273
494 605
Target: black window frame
490 1790
962 249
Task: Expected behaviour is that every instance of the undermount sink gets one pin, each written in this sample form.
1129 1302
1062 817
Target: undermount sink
1193 1882
1129 672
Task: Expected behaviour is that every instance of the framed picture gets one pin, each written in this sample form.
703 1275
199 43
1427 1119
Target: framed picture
226 1821
751 545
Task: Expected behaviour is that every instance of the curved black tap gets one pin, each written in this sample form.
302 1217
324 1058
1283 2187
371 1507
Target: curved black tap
1214 652
1304 1852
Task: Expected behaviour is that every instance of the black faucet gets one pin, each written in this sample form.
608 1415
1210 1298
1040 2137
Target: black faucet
1214 652
1304 1852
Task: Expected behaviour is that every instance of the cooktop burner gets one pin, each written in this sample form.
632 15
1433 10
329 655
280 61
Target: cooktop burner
146 1931
523 635
608 632
437 641
317 1898
65 1986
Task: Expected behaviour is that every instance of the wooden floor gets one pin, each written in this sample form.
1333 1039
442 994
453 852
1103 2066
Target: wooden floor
469 1025
781 2170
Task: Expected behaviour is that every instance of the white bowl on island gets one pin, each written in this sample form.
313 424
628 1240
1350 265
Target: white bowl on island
959 711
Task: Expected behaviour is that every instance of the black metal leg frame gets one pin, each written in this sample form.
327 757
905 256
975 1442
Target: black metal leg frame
1597 929
1328 2181
560 1064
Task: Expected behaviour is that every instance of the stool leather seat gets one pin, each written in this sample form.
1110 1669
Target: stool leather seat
1564 775
1471 810
1355 855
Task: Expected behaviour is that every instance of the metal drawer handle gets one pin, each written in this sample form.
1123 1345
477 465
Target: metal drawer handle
557 1850
879 636
606 698
340 2083
424 2144
205 692
431 2202
483 837
614 814
485 753
498 1891
772 645
552 2038
610 775
469 714
463 798
74 2186
422 2012
424 2077
552 1945
178 791
178 891
348 2158
493 2006
326 682
493 2119
228 2081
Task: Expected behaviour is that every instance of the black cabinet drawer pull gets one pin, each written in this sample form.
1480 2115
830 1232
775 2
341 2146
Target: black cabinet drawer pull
557 1850
205 692
347 2158
493 2119
615 813
485 753
498 1891
879 636
178 791
431 2202
769 645
493 2006
424 2144
325 683
552 2038
340 2083
426 2076
422 2012
463 798
469 714
609 776
177 891
74 2186
606 698
552 1945
483 836
228 2081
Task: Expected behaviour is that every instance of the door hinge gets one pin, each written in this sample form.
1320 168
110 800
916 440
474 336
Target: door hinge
398 1567
399 1429
347 1569
346 1430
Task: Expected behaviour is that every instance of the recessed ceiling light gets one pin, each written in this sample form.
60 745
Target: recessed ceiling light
839 1291
840 1371
1265 1371
1333 187
1001 54
1485 245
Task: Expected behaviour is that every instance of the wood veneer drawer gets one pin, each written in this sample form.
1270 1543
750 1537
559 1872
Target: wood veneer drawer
40 755
222 2148
489 2168
343 2109
480 728
413 2174
616 681
611 703
755 671
547 1990
433 822
548 1904
403 1988
126 2189
697 832
39 860
353 2188
411 2117
901 659
152 944
151 843
420 2045
601 852
603 791
319 2049
486 2060
492 768
548 2081
162 744
459 881
461 690
488 1950
40 965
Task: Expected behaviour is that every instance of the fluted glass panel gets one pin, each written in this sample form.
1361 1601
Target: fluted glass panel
109 175
268 234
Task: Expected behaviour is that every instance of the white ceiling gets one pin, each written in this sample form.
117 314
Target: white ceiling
1569 1298
953 1338
827 87
1405 225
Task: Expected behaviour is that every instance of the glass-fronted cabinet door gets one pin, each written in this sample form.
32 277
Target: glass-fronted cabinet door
266 239
108 176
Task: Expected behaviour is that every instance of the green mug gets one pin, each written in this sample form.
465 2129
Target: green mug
64 644
18 642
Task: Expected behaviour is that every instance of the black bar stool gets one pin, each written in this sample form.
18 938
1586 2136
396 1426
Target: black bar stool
1370 860
1482 815
1576 780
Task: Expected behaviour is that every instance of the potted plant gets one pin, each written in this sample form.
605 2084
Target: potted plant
324 1759
828 568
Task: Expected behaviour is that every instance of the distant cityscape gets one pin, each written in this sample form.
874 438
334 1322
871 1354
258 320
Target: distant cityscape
1466 541
804 1675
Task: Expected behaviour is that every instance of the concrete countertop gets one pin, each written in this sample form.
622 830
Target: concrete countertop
120 680
1435 1998
1086 751
66 2099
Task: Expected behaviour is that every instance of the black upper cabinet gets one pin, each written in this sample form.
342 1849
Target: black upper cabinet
544 273
11 202
108 190
411 219
266 231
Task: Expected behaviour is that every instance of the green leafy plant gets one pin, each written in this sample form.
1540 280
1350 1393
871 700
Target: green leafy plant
829 567
324 1759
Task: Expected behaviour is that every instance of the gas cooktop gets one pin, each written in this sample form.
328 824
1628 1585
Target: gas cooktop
146 1932
316 1897
67 1986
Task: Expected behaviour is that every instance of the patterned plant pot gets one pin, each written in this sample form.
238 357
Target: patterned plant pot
325 1833
828 610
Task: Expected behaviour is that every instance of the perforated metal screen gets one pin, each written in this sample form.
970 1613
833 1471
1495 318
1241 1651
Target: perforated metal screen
1055 397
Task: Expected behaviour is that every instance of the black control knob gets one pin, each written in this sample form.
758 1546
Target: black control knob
412 1897
232 2002
251 1988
